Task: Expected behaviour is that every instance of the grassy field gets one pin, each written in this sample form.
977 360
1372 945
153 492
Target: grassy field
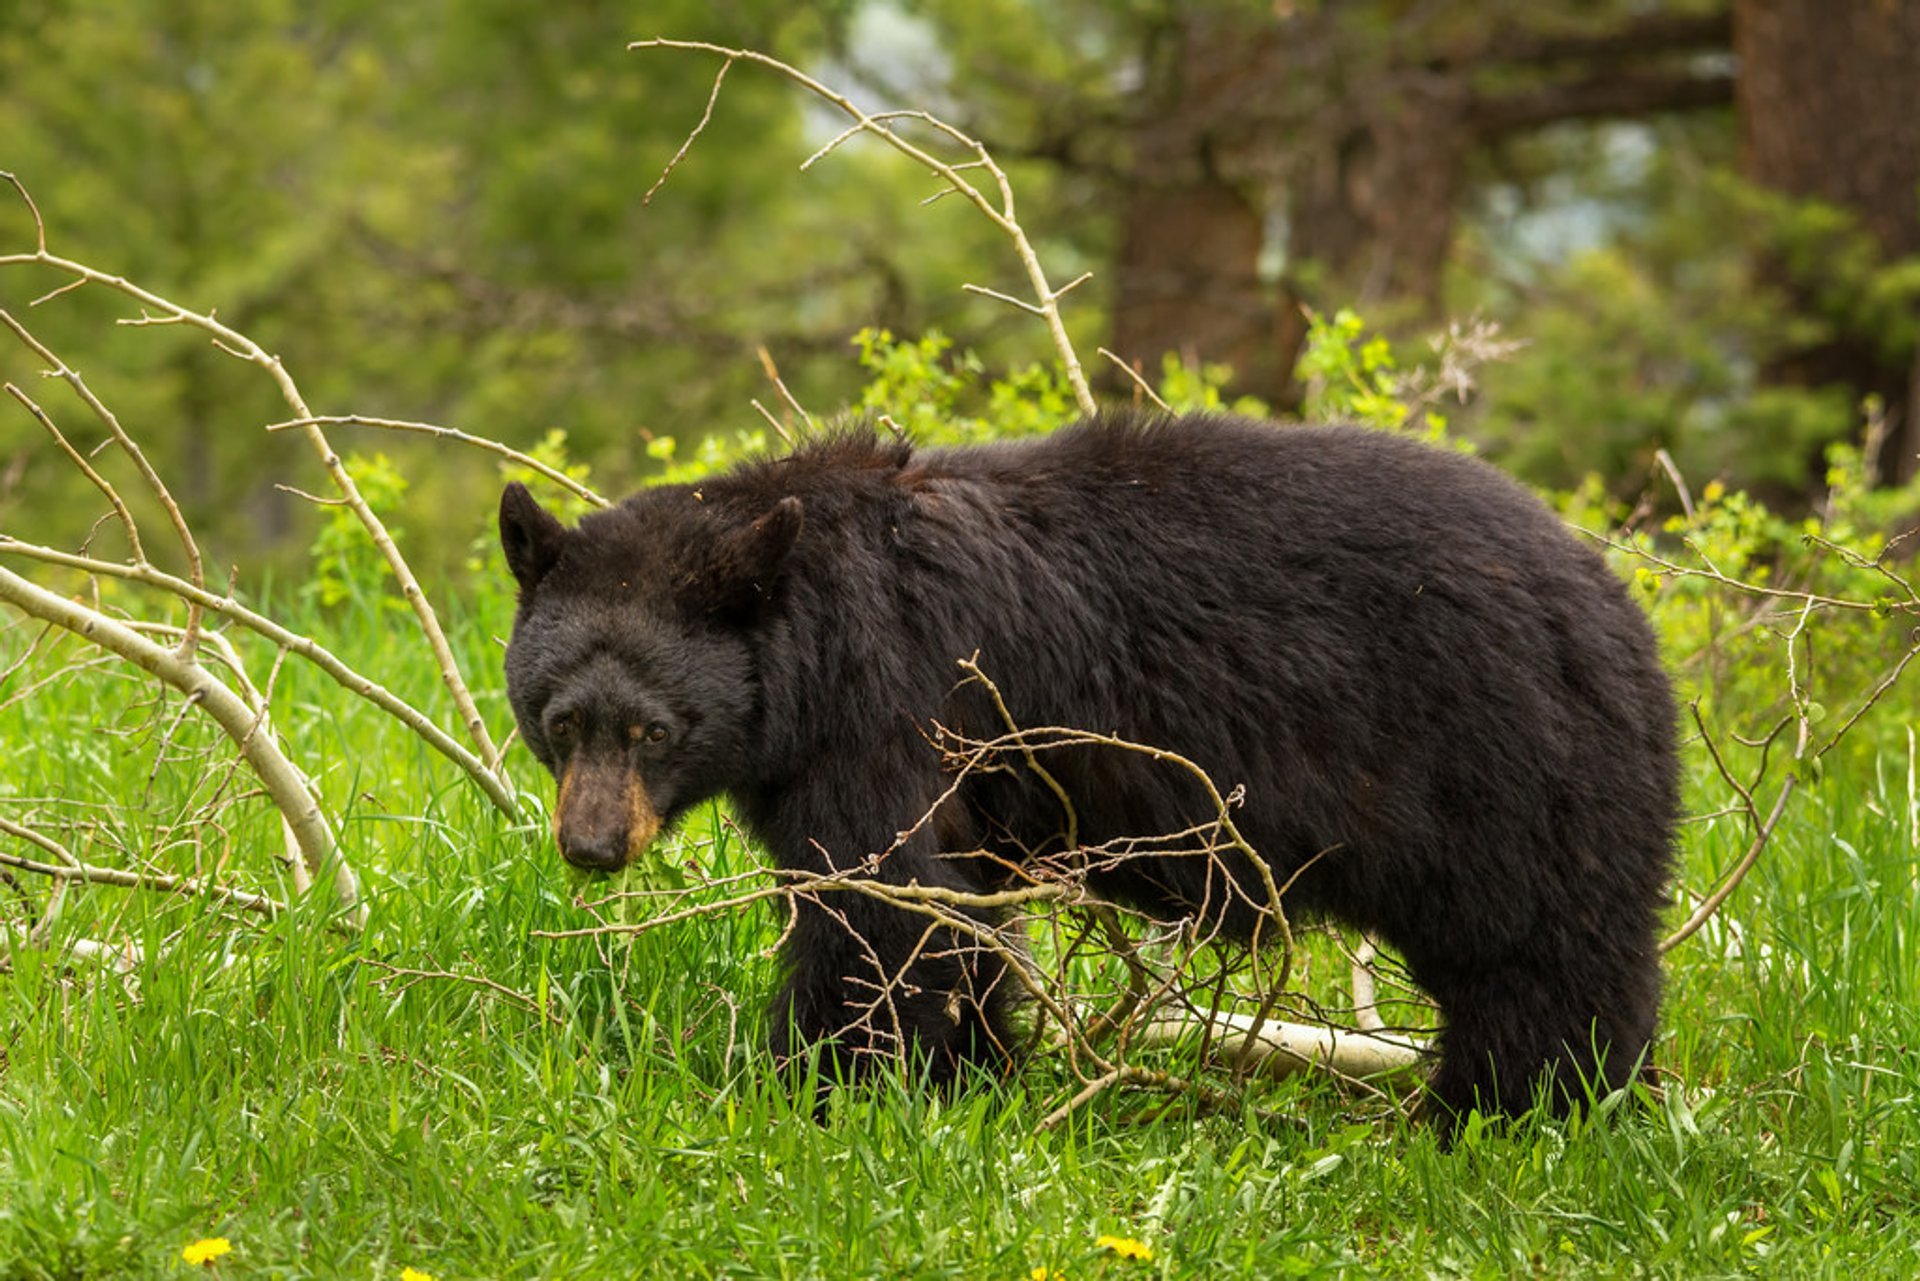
450 1094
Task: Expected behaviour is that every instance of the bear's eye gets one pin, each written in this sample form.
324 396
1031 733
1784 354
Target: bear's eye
561 732
652 732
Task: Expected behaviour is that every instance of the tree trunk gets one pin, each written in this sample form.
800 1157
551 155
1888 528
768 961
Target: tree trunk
1188 274
1829 97
1317 158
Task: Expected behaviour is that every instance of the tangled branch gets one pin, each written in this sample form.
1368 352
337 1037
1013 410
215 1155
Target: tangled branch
1105 984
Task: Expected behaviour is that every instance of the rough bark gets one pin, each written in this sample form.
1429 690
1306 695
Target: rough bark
1828 99
1337 152
1188 278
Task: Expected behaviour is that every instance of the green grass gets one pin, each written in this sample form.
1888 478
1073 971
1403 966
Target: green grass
278 1085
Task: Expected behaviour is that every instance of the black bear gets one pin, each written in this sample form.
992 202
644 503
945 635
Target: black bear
1448 717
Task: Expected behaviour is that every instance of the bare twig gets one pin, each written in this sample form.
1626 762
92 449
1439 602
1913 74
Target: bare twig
999 209
188 545
583 492
772 372
713 96
80 463
68 868
1711 904
406 978
1140 384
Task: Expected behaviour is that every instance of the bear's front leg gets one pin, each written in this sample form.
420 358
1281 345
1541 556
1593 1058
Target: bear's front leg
873 985
874 982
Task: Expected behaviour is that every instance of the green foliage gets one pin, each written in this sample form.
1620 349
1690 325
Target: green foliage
1353 376
938 396
1350 374
1611 372
469 1090
1652 328
711 453
1711 576
1753 659
488 583
551 451
921 388
345 562
1201 388
1857 289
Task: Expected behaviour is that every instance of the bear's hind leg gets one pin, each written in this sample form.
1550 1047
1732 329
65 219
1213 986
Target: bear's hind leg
1519 1035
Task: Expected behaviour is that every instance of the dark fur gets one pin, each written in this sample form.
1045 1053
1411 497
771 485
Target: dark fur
1403 657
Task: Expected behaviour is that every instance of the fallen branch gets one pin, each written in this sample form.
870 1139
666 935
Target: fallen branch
68 868
1165 1000
288 788
583 492
1283 1049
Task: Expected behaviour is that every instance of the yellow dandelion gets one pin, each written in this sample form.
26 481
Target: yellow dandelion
415 1274
206 1250
1126 1247
1046 1274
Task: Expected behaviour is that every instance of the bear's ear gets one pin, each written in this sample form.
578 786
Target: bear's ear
529 535
747 562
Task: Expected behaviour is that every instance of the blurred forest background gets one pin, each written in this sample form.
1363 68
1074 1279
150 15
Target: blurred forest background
1701 218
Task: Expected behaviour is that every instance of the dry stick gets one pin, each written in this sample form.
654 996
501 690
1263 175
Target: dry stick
284 783
258 703
1711 904
1054 737
1366 998
1262 1036
188 545
558 477
1808 602
947 907
244 348
1137 997
71 869
479 981
293 642
772 371
85 468
122 958
1285 1048
1002 217
1878 692
68 863
713 96
1140 384
779 429
1672 569
1877 565
1665 460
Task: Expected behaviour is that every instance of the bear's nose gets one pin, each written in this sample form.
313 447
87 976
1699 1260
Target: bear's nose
597 853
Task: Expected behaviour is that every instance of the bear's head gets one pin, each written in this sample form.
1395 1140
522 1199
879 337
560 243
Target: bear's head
631 666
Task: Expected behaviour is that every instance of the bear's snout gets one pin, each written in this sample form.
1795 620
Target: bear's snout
603 818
